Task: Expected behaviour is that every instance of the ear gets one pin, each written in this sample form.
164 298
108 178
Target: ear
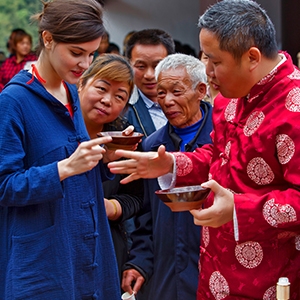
47 39
254 56
201 88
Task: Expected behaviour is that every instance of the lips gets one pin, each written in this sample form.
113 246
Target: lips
77 73
215 86
102 111
171 114
150 85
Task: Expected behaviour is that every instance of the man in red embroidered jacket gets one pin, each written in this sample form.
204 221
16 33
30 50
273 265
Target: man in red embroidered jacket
251 232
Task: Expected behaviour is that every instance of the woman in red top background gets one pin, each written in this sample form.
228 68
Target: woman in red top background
21 54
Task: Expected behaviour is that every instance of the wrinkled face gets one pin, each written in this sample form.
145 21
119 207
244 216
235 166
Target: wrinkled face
69 61
23 47
178 100
144 59
227 75
102 101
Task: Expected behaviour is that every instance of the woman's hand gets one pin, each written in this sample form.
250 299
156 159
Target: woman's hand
113 209
85 158
111 155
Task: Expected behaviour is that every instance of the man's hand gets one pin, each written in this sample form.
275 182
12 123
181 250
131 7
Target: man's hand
132 281
220 212
142 164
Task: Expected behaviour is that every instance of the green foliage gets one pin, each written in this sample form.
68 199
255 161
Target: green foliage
16 14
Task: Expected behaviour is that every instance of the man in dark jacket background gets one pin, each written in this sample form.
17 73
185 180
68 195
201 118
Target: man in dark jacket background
145 49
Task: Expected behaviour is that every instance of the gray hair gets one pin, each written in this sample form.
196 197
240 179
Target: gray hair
240 25
194 67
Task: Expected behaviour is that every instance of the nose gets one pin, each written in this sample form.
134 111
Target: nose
85 62
168 100
210 69
149 74
106 99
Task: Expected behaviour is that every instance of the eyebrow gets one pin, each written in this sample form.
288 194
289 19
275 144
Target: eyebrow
120 89
78 48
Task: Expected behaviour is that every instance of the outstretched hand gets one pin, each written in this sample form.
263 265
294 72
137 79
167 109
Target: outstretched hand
220 212
142 164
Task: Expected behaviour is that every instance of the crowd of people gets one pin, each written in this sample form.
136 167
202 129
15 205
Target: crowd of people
80 220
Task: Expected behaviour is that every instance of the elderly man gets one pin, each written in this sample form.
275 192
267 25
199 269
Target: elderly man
164 256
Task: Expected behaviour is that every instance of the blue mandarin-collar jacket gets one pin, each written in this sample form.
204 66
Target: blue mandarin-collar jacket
55 241
166 244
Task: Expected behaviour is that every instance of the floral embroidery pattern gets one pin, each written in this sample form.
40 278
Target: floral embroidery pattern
226 153
270 293
183 163
275 213
205 236
253 122
297 242
218 286
268 78
285 148
259 171
292 102
249 254
295 75
230 110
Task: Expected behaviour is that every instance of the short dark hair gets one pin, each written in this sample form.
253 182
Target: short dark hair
240 25
150 37
18 37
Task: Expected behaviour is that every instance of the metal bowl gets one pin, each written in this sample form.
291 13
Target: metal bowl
183 198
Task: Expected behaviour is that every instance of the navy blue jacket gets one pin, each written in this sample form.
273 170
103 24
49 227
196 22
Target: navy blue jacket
166 244
55 241
139 116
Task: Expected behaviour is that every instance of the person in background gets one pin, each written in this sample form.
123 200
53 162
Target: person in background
113 48
55 239
125 40
103 45
165 252
251 220
21 45
145 49
212 90
9 44
104 91
2 57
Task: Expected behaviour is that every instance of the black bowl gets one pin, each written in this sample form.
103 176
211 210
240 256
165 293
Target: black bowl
183 198
120 140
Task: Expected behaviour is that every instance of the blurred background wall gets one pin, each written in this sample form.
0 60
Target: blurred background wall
179 18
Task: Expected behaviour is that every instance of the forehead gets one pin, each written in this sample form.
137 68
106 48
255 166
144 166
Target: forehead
210 45
173 77
148 52
208 40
